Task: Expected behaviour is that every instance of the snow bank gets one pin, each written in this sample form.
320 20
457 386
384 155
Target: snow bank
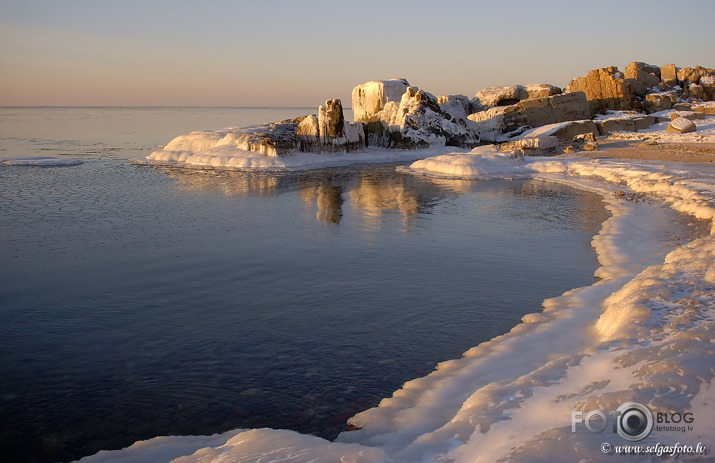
643 332
206 150
39 161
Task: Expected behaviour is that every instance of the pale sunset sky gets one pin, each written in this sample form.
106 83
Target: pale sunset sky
300 53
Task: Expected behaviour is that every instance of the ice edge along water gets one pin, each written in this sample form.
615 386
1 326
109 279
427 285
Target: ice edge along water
642 332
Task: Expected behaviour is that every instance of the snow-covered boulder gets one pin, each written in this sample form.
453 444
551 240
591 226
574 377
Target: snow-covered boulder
329 131
273 139
623 121
681 125
371 97
512 94
415 120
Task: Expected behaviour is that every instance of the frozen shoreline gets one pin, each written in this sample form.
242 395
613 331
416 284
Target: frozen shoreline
642 332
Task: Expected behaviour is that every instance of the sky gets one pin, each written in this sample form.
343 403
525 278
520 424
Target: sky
301 53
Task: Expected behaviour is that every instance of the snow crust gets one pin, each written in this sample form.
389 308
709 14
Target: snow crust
39 161
642 332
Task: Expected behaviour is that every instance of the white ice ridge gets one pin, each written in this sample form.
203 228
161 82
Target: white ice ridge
39 161
203 150
643 332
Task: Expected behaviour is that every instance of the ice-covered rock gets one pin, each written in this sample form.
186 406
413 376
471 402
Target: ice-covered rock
457 106
329 131
326 132
416 120
370 98
272 139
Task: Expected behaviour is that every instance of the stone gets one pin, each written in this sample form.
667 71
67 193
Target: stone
669 75
707 82
689 74
585 142
370 98
541 90
704 108
457 106
329 132
681 125
512 94
552 109
660 101
416 120
632 122
642 77
565 132
605 89
533 146
501 96
494 122
696 91
690 115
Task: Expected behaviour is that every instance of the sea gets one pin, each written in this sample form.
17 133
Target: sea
140 301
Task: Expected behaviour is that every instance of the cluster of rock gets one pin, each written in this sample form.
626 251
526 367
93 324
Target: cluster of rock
397 115
644 87
394 114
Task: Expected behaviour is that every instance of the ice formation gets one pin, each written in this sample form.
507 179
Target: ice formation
39 161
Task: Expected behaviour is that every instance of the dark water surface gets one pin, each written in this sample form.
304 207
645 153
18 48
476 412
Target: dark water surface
137 302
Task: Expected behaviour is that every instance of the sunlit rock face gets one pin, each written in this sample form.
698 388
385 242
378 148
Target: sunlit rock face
511 94
494 122
605 89
414 120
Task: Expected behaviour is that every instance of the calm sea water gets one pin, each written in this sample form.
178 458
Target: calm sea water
139 301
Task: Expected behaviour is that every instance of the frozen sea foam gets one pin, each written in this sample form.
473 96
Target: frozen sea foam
643 332
39 161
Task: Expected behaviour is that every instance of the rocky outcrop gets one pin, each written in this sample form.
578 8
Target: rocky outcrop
642 77
669 75
644 86
660 101
623 122
511 94
553 109
415 120
605 89
329 132
536 112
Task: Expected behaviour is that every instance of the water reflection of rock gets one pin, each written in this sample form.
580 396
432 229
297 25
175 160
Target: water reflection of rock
371 192
227 182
